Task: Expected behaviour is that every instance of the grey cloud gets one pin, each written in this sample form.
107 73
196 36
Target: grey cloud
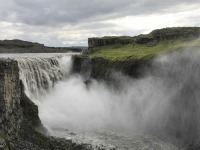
57 13
71 22
67 36
94 26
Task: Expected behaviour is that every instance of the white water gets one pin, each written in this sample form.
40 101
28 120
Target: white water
40 71
163 104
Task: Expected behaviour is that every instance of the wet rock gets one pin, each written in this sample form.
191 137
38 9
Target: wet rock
20 124
3 145
100 68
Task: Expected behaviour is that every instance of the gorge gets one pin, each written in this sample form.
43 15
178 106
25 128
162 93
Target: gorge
104 99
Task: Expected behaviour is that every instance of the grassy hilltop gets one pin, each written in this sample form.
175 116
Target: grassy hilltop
144 46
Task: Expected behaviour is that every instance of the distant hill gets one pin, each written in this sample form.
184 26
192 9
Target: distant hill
19 46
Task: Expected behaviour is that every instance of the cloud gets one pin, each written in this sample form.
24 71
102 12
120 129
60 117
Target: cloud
71 22
52 12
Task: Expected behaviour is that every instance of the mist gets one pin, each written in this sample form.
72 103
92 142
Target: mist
164 103
74 105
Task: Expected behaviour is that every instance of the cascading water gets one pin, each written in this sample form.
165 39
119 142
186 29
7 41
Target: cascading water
141 114
39 73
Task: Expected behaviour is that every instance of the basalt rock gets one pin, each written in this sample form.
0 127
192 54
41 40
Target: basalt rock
100 68
10 94
96 42
20 125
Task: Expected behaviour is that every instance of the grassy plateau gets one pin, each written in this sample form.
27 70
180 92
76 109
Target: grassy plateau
150 47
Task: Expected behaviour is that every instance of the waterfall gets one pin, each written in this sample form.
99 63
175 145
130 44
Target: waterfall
165 103
40 72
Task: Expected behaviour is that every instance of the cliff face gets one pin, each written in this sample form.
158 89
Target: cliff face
15 106
133 55
100 68
20 126
10 94
16 110
96 42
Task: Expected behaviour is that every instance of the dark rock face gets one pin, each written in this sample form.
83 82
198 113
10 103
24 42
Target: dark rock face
143 39
96 42
10 94
20 126
175 33
100 68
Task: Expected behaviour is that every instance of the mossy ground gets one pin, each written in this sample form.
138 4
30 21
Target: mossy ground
134 51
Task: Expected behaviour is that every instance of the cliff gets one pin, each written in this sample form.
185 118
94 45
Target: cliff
135 59
133 55
10 109
154 36
96 42
103 69
20 126
144 46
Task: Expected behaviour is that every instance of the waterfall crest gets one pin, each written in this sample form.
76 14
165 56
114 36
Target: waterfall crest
40 72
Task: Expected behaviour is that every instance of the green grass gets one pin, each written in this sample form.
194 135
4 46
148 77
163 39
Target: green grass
135 51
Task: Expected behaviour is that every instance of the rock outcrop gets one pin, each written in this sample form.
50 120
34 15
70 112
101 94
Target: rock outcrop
103 69
96 42
20 126
10 95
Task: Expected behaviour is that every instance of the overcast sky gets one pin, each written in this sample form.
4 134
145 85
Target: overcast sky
71 22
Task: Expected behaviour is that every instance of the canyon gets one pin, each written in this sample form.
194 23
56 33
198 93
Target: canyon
145 85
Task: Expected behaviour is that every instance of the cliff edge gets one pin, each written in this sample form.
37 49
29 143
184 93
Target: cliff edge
145 45
133 55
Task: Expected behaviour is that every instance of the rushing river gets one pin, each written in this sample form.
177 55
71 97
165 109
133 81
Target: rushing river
157 112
